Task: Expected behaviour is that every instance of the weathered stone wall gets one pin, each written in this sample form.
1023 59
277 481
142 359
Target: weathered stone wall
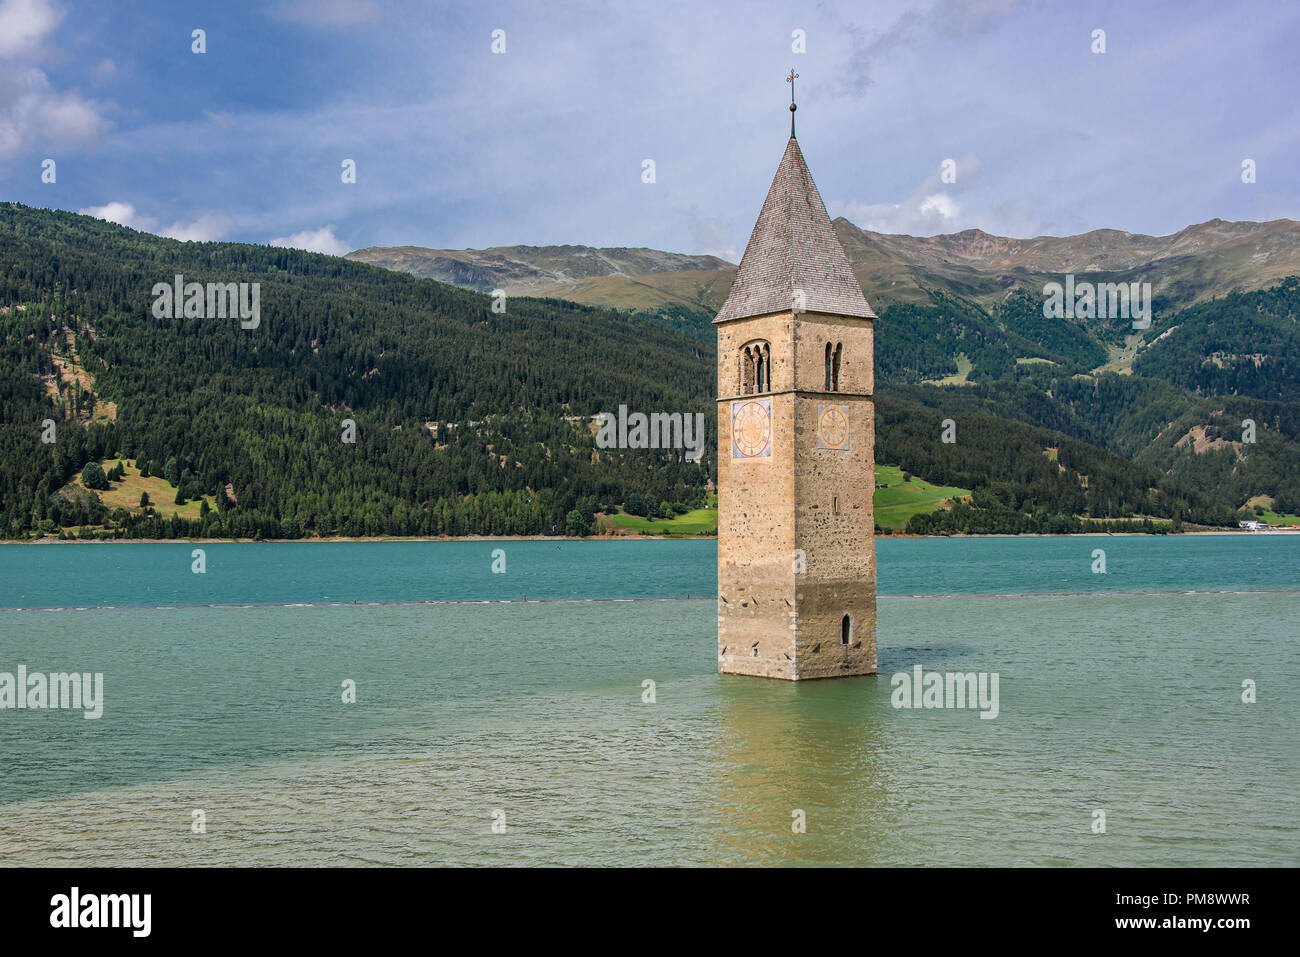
778 330
796 545
756 534
835 529
857 364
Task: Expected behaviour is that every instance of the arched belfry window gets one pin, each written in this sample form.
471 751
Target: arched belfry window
756 368
828 367
835 367
846 629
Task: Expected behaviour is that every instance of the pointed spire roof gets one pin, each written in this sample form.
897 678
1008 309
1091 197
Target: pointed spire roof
794 246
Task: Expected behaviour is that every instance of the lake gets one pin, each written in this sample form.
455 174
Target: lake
492 730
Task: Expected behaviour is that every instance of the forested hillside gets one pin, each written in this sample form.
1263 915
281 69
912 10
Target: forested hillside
467 421
470 421
1028 479
1241 344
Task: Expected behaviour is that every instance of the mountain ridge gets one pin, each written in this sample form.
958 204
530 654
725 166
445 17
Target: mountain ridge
525 270
1199 261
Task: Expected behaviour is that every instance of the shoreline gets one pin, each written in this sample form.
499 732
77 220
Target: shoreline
595 538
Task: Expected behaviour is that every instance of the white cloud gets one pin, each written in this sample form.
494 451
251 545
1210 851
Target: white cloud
66 117
207 228
32 113
123 214
24 24
320 240
925 216
30 110
931 209
939 204
325 13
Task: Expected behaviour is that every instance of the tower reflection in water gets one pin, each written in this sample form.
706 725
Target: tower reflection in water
813 750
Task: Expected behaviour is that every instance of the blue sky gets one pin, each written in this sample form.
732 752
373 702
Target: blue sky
456 146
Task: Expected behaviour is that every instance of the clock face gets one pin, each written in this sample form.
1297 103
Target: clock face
832 427
751 429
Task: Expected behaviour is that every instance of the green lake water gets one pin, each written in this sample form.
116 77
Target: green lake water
1119 692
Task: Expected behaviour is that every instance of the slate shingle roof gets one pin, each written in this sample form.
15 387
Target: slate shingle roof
793 246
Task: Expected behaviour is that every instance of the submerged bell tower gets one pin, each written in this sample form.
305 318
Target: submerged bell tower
796 447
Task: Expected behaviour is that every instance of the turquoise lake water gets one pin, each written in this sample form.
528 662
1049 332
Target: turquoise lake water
127 575
1119 692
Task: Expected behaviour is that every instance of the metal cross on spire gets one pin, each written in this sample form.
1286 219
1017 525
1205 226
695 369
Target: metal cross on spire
790 79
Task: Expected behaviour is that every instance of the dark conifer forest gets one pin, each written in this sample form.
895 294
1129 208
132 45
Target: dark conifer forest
469 421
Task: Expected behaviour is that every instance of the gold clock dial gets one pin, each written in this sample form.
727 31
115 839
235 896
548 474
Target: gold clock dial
751 429
833 427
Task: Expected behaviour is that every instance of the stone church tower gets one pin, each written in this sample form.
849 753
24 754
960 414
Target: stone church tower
796 435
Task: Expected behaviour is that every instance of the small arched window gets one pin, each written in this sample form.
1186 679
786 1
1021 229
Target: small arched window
835 367
756 368
846 629
828 367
